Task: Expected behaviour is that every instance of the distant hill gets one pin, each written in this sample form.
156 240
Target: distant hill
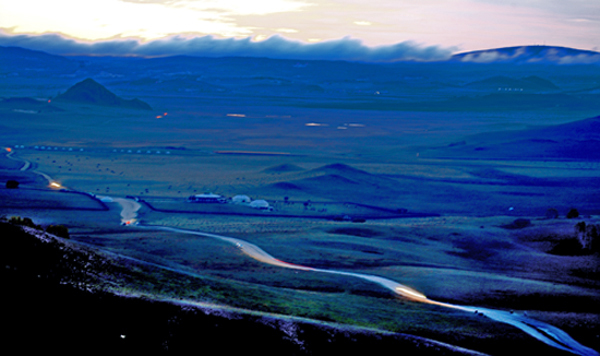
340 182
504 83
91 92
187 84
579 140
283 168
27 105
17 59
530 54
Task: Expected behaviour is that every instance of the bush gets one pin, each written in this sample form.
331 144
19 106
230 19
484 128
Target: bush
17 220
521 223
518 224
12 184
58 230
588 236
572 214
551 213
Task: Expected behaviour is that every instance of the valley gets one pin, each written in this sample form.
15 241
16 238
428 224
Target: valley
414 172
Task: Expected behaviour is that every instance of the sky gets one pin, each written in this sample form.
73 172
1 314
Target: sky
424 29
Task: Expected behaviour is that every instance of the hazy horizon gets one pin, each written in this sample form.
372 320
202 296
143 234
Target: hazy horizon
356 30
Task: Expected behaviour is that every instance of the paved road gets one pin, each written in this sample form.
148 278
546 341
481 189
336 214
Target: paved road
546 333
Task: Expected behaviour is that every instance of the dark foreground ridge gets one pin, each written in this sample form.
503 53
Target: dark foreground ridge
51 302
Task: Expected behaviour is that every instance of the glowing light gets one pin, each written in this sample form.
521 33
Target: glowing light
165 114
49 100
8 149
412 293
55 185
159 116
236 115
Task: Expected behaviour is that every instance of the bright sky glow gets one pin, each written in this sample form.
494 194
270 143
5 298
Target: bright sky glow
465 24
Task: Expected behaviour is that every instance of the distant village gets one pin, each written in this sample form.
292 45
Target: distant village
211 198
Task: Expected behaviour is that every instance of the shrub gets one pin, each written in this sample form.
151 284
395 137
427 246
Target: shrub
551 213
521 223
518 224
12 184
17 220
588 236
58 230
572 214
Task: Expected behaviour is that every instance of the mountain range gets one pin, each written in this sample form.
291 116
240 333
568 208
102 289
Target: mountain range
511 78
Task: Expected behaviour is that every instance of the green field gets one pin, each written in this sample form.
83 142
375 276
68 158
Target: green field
449 165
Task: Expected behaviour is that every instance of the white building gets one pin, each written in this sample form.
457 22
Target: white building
207 198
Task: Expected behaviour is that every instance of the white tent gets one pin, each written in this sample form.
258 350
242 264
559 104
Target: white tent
241 199
259 204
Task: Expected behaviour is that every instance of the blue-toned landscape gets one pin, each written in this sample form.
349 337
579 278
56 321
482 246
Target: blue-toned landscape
303 206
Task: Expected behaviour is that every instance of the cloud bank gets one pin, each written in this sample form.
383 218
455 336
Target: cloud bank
533 54
347 48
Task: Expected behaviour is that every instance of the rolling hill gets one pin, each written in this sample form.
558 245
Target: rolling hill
28 105
91 92
579 140
530 54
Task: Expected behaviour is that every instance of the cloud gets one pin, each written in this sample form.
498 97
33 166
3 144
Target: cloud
534 54
493 56
277 46
245 7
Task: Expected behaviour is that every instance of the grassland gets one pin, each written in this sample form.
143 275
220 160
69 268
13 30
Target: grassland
391 160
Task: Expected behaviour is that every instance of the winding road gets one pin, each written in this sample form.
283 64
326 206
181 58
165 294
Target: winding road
545 333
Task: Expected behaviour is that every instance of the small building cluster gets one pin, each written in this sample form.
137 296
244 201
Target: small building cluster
207 198
210 198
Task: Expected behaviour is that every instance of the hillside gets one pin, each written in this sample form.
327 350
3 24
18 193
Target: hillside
24 61
50 282
530 54
574 140
28 105
503 83
91 92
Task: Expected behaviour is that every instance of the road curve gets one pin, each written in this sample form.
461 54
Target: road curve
129 211
545 333
26 164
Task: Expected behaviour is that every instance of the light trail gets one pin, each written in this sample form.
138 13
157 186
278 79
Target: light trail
543 332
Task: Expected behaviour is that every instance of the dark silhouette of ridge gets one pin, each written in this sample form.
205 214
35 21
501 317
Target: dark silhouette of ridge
91 92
